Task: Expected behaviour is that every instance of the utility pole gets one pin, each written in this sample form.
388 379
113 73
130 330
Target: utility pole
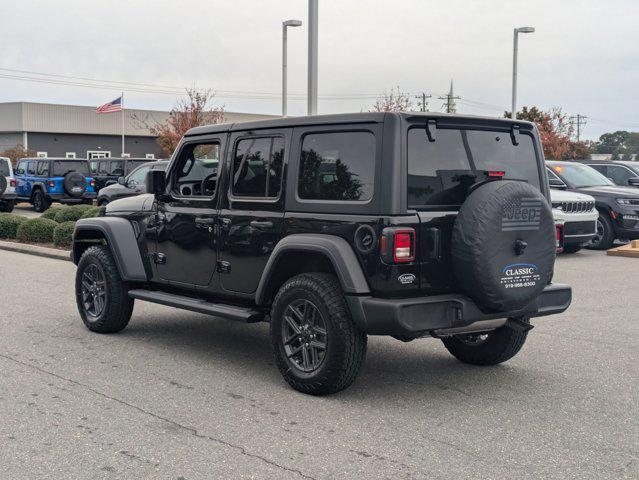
449 104
423 97
578 120
312 56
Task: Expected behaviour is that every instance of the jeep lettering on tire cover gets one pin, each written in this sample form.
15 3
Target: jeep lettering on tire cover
503 245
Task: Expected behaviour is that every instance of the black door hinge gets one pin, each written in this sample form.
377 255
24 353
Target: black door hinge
223 267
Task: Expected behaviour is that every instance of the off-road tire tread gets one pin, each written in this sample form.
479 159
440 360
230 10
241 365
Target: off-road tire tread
7 206
502 345
330 380
45 203
119 304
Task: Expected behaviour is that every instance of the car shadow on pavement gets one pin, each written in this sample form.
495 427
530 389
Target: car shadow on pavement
420 369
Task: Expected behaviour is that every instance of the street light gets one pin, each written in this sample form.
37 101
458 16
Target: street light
287 23
515 46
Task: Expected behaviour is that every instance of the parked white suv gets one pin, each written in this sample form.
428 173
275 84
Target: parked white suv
7 185
579 216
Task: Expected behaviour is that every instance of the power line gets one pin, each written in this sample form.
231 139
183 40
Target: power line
450 98
424 98
578 120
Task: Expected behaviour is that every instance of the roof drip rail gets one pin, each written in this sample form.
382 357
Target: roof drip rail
431 128
514 134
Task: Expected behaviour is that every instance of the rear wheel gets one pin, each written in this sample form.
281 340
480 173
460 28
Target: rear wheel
39 201
605 236
7 206
487 348
102 296
318 349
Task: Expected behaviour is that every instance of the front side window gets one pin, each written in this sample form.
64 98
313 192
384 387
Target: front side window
257 167
441 171
138 176
620 175
197 170
31 170
21 168
338 166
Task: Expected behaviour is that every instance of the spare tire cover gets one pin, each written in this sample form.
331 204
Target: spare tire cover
503 245
74 184
3 184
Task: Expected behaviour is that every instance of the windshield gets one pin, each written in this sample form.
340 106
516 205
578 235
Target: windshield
62 167
441 171
577 175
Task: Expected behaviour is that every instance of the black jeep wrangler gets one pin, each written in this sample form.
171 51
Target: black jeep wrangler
333 228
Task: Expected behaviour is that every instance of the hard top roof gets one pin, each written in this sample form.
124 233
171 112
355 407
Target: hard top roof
361 117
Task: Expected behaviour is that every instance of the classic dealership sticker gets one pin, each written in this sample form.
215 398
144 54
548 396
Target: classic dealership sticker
519 275
406 278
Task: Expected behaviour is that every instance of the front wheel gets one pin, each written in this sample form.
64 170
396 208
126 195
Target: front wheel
40 203
487 348
102 297
318 349
605 236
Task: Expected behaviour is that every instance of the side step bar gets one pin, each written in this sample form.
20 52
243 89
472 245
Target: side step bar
230 312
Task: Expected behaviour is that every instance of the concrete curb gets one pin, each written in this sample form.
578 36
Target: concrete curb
35 250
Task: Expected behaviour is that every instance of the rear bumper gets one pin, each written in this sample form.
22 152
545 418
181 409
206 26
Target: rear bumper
413 317
8 196
64 198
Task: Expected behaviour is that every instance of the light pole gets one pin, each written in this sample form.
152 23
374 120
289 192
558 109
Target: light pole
287 23
517 31
312 56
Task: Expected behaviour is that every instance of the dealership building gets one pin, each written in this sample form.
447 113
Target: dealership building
76 131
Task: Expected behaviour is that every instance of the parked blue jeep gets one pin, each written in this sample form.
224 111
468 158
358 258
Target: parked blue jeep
42 181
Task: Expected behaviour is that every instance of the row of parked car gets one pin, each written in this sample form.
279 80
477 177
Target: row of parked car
594 203
42 181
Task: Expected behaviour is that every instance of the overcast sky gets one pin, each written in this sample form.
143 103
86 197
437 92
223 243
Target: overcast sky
583 57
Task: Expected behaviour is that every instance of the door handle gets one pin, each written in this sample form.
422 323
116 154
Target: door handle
261 224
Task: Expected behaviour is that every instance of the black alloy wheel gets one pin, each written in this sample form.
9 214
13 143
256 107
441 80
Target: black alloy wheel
94 290
304 335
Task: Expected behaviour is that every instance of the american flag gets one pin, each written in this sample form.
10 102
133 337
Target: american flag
113 106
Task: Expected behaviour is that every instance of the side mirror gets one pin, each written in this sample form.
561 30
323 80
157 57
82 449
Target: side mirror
556 183
633 181
156 182
122 181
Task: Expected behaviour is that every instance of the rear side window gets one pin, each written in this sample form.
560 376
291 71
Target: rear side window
62 167
440 171
4 168
31 169
257 167
43 169
338 166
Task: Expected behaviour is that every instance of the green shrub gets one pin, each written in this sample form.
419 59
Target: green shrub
51 212
37 230
63 234
9 224
91 212
71 214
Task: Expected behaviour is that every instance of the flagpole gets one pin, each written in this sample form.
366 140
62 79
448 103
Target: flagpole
122 105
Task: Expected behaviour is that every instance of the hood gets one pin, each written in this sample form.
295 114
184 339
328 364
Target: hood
610 191
139 203
565 196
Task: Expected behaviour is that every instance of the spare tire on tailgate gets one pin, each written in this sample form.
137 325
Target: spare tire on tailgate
74 184
3 184
503 245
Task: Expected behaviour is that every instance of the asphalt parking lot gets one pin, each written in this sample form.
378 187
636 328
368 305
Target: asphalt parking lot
27 210
185 396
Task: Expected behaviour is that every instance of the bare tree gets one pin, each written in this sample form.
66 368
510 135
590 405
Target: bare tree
393 101
16 153
193 110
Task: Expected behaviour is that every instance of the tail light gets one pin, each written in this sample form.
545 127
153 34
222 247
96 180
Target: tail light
51 183
92 183
559 237
397 245
12 183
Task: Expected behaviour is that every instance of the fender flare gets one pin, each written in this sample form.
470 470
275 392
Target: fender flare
122 241
338 251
